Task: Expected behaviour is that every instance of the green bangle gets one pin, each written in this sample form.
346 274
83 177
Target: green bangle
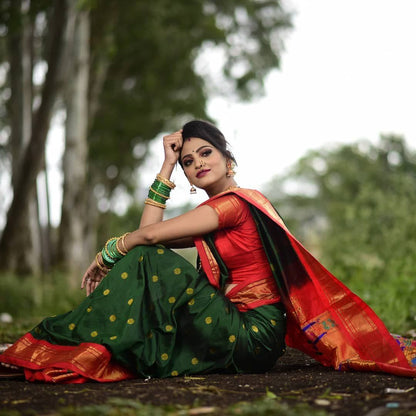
159 193
156 197
112 250
161 187
108 261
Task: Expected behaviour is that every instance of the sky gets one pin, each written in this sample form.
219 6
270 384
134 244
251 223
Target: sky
347 73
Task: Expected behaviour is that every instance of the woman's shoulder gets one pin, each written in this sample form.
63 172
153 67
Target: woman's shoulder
245 193
237 196
253 194
261 202
224 199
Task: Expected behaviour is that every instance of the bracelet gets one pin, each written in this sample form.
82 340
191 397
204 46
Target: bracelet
155 197
108 261
123 242
110 248
119 249
150 201
157 193
99 265
120 240
161 187
111 253
167 182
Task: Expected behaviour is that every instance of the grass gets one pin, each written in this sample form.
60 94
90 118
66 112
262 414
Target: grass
37 296
393 300
265 406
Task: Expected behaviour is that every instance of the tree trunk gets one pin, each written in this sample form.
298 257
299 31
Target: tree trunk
33 157
24 259
74 254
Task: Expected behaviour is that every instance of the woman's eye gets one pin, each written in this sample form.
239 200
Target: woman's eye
187 162
206 153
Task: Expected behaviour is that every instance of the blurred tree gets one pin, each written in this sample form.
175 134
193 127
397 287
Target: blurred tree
29 115
151 84
73 230
19 48
143 79
353 207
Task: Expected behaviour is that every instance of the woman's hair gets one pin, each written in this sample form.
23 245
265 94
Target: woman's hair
207 131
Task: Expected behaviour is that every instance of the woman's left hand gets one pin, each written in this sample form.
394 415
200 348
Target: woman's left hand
93 277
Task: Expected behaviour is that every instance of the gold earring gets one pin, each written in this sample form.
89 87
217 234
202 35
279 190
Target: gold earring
230 169
193 189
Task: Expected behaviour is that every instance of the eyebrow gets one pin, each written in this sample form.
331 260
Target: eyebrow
197 150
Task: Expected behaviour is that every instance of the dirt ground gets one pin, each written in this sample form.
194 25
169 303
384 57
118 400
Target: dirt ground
295 379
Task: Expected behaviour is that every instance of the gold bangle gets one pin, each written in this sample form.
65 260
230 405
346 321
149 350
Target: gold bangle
167 182
119 249
100 266
149 201
106 249
123 243
157 193
121 240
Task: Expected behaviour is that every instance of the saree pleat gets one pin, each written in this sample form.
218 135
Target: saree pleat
153 315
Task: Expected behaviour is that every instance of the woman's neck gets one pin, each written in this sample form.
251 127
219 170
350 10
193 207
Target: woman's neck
222 187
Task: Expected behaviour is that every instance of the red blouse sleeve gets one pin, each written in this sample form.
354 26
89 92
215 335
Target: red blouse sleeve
231 210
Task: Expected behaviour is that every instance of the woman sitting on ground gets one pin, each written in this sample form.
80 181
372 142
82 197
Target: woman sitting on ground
150 313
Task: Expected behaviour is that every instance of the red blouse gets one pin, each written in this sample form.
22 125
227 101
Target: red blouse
240 247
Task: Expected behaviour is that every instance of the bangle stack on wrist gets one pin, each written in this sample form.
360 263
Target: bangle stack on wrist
100 263
159 192
114 249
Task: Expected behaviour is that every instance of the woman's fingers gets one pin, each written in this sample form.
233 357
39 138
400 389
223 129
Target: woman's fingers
92 278
91 285
173 142
87 275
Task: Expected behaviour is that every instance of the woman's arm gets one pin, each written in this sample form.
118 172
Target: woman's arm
172 144
201 220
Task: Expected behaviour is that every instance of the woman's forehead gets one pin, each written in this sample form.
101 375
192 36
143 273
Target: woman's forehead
191 144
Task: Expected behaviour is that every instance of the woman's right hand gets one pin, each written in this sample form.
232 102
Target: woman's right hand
93 276
172 145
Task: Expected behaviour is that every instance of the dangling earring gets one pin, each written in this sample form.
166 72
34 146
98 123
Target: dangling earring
230 169
193 189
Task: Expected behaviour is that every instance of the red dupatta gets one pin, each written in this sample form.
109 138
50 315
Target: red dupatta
324 318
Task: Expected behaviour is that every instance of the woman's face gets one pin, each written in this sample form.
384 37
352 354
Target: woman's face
204 165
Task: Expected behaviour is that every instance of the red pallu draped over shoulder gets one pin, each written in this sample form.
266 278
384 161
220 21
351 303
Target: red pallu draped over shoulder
324 318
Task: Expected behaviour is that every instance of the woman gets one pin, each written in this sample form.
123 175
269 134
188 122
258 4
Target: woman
155 315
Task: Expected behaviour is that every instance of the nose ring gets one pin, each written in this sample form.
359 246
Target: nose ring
202 163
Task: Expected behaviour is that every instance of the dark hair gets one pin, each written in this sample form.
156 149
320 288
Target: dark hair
207 131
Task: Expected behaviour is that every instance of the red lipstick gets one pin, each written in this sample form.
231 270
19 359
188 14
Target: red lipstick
202 173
